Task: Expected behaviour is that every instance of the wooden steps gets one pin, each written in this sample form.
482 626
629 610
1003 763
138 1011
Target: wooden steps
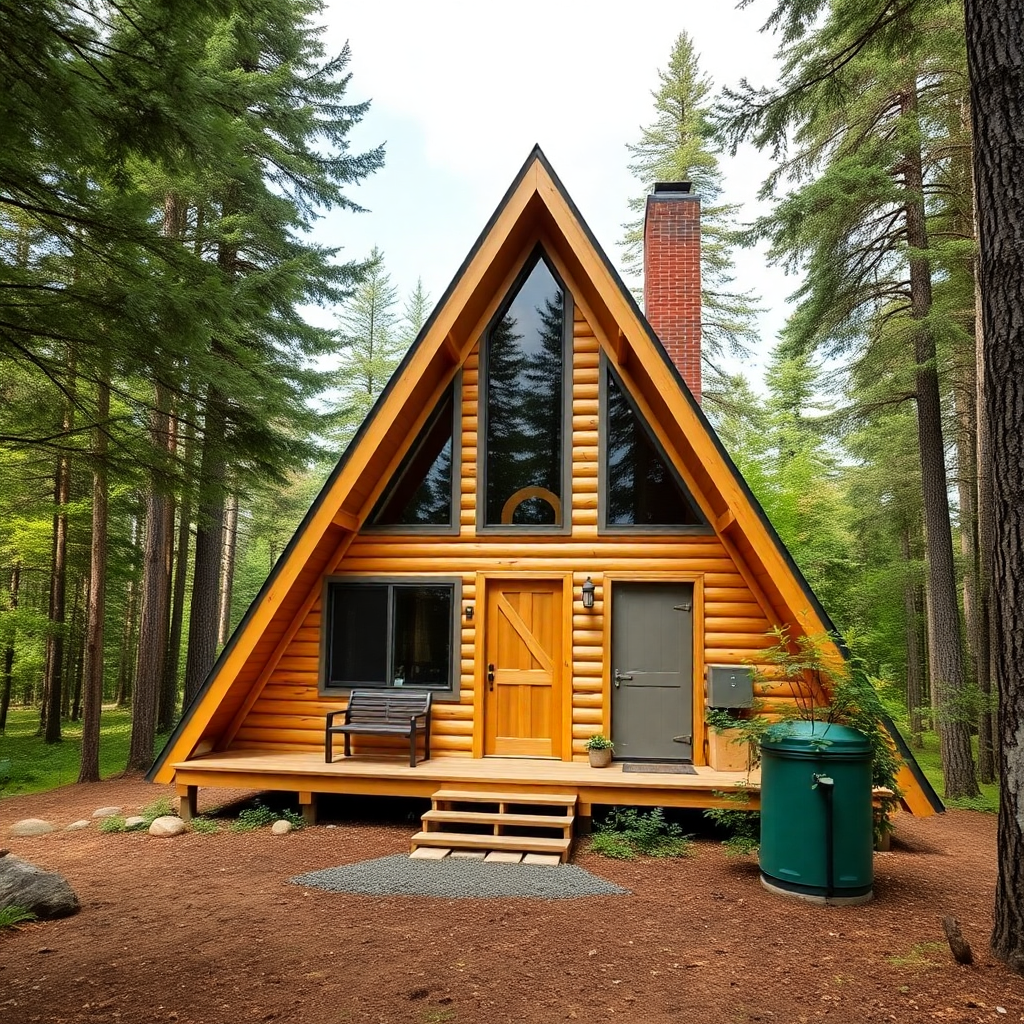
471 820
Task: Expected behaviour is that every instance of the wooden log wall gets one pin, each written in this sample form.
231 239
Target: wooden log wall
289 713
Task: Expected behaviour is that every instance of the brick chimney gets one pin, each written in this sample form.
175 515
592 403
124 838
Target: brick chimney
672 275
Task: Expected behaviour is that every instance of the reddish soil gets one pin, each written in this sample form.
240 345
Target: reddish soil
206 928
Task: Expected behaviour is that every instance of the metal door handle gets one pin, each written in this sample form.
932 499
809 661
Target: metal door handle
620 678
490 677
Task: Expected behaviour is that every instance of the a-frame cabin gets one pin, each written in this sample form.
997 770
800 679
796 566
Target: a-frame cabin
538 441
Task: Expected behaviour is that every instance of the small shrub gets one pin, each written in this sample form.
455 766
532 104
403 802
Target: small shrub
204 826
627 829
259 816
11 917
742 824
599 742
115 823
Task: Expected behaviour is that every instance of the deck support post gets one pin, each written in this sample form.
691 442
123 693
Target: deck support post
307 801
584 818
189 799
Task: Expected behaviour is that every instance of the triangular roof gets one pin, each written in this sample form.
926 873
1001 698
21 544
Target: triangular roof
536 208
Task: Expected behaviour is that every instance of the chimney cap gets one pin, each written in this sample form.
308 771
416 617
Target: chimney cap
673 186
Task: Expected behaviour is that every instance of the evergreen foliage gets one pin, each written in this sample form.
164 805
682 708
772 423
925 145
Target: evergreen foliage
681 145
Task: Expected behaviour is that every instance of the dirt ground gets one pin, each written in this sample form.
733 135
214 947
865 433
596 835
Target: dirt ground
206 929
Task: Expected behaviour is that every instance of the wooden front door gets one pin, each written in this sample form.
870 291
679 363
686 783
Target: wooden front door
652 671
523 668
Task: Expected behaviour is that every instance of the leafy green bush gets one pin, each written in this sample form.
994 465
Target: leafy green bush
115 823
204 826
158 809
626 833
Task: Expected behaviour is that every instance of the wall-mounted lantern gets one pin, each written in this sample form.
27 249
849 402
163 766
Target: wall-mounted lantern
469 613
588 593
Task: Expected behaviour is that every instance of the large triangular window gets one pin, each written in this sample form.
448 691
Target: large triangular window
523 392
420 493
641 487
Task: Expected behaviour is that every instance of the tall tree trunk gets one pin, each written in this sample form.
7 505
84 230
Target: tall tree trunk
58 582
983 647
203 619
92 696
914 690
995 55
5 690
227 569
170 687
944 643
71 656
155 597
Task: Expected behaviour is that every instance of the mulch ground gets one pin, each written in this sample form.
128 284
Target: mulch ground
206 929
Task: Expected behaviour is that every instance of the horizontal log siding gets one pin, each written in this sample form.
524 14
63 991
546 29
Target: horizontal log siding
289 713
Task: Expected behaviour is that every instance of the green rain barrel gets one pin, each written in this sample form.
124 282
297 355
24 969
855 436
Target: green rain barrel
816 824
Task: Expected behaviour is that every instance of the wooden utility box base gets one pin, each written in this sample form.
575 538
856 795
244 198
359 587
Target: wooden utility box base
724 755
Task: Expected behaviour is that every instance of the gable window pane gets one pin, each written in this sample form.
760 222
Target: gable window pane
422 649
421 491
642 489
524 365
359 631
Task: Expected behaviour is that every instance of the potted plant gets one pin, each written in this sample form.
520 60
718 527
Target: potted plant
599 749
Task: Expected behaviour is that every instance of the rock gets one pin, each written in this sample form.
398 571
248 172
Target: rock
31 827
106 812
134 821
281 827
75 825
45 893
167 825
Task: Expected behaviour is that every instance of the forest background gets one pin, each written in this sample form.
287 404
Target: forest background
169 406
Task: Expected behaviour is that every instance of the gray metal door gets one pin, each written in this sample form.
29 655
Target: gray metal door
652 671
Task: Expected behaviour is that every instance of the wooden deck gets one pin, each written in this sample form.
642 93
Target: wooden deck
307 775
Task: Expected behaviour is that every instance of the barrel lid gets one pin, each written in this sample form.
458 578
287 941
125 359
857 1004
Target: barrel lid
800 736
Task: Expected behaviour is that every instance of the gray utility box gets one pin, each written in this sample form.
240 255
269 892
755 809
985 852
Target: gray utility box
728 686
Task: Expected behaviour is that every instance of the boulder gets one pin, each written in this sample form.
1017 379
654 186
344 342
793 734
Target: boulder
134 821
106 812
31 827
167 825
76 825
45 893
281 827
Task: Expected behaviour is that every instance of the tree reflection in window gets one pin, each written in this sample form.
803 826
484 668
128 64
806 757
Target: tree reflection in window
420 493
641 488
524 365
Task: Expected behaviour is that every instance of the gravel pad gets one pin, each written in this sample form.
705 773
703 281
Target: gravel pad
399 875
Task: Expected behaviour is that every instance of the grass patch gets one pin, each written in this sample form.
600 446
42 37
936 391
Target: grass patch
11 917
627 833
204 826
35 766
920 955
931 765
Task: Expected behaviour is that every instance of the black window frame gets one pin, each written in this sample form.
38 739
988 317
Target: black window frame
326 688
703 528
568 311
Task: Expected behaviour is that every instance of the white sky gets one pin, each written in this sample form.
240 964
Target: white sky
461 91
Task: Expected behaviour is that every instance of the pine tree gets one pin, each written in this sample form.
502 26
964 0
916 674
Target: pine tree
371 349
680 145
870 148
995 31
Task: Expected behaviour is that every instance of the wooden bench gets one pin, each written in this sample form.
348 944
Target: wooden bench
382 713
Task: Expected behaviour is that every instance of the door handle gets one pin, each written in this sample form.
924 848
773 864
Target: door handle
490 677
620 678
